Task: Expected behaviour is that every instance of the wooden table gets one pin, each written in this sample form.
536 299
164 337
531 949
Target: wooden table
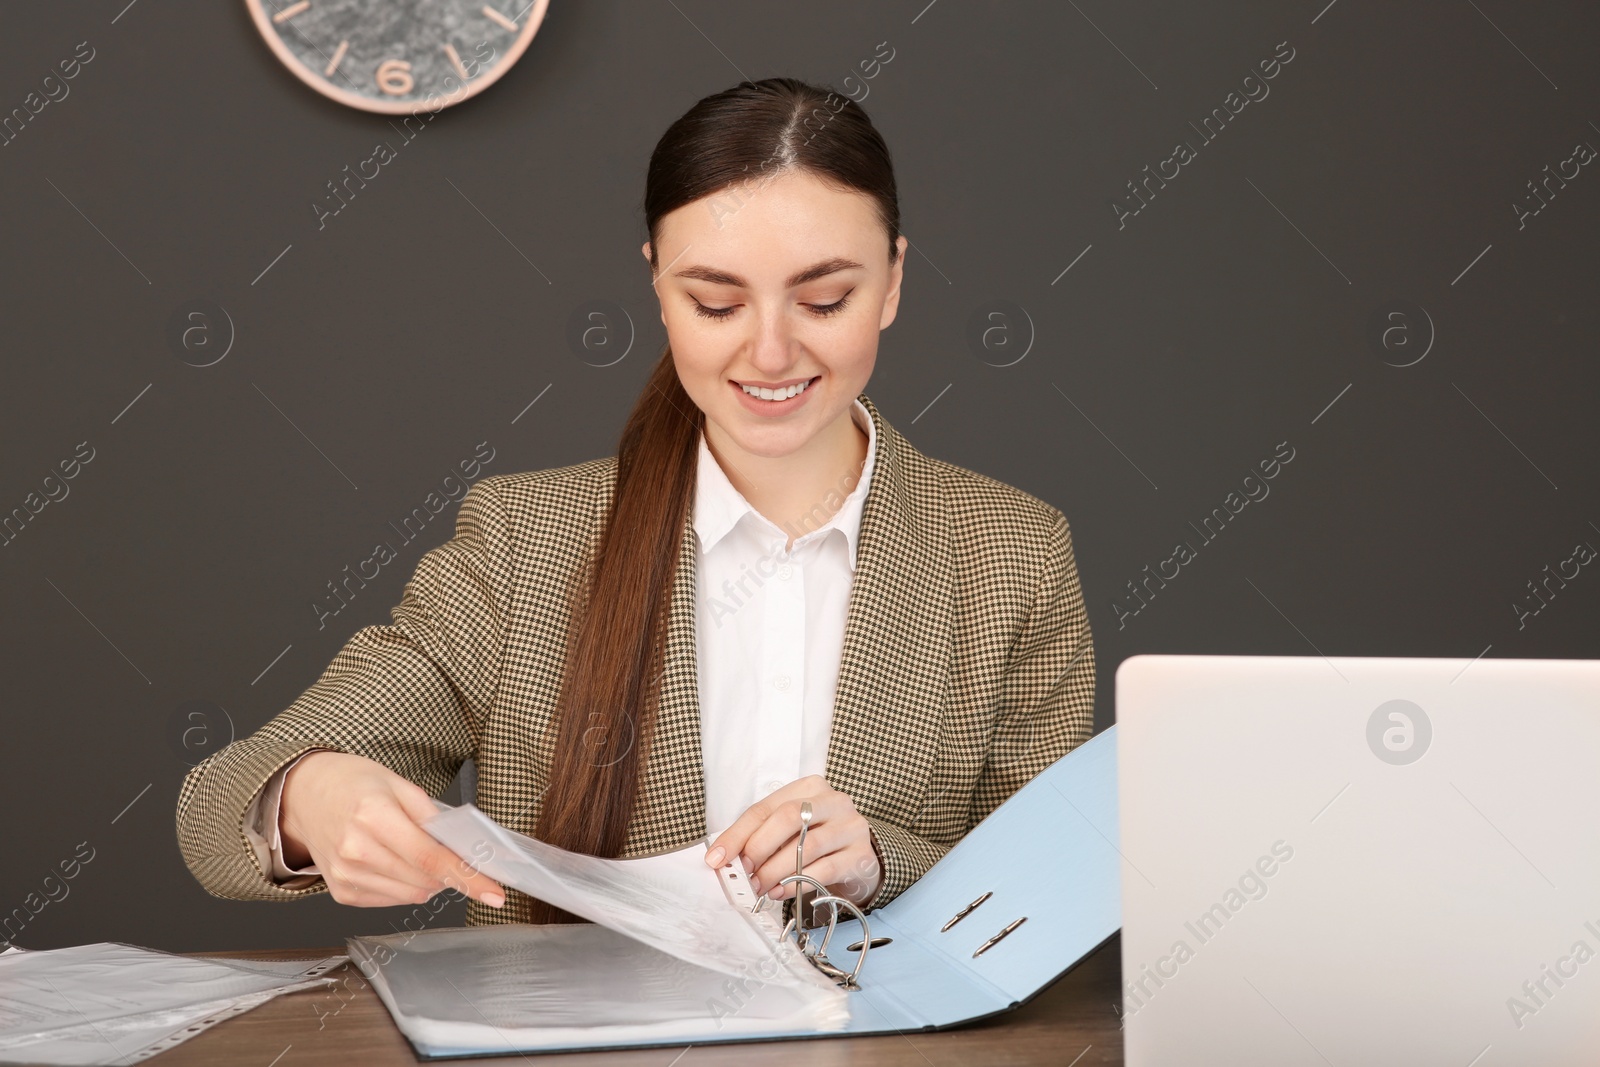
1071 1023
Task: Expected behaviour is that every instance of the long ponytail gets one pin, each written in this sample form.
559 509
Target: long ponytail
614 656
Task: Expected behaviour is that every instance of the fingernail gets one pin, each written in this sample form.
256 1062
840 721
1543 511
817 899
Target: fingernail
494 900
755 883
715 856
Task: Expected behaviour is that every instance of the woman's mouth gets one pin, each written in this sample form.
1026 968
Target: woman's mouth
774 401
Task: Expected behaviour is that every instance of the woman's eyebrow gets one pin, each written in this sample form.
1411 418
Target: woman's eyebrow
812 273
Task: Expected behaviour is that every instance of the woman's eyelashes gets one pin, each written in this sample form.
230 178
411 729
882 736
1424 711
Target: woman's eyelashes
709 313
820 310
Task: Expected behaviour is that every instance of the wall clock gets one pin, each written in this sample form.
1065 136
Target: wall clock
398 56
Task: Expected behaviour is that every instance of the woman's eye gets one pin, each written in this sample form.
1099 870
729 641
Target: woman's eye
711 313
833 308
820 310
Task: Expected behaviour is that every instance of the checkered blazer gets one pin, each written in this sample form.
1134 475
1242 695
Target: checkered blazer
967 668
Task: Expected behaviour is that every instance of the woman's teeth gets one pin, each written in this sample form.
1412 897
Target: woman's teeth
776 394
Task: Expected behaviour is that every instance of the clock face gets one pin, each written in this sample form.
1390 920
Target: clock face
398 56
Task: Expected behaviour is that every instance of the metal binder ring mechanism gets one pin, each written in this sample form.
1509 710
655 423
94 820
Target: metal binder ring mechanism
819 956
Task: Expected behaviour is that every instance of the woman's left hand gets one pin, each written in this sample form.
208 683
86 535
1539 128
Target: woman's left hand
839 848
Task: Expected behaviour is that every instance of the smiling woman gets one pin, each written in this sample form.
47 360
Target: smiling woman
768 598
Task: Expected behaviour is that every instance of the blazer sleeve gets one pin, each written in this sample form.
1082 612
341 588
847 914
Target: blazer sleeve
411 694
1046 710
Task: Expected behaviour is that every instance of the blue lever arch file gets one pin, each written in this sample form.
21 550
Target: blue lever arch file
1032 890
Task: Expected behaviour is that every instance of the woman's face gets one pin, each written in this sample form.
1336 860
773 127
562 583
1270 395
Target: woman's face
775 284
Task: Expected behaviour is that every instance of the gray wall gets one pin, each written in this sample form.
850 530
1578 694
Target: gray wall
1163 354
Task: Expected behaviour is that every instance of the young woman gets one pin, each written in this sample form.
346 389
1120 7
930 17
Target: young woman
768 597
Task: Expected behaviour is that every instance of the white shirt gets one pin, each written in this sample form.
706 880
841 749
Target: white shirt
769 631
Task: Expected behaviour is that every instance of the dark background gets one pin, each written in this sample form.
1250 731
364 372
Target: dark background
1231 315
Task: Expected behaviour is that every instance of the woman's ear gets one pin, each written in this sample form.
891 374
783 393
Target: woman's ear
891 300
646 250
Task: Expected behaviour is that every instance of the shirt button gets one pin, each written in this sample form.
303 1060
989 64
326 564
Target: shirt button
774 785
786 572
781 681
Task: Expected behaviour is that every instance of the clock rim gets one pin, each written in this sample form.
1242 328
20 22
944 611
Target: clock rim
288 59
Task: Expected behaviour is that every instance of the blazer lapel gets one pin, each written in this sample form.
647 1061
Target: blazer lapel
893 669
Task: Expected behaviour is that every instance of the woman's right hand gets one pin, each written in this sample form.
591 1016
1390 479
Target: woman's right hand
359 822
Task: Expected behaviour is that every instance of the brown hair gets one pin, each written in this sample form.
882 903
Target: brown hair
726 143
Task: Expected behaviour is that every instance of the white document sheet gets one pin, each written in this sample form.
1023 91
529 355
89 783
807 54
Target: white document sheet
672 901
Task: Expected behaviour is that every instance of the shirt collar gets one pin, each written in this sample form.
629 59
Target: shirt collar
719 507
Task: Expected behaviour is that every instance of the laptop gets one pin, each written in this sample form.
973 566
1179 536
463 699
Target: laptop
1359 861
